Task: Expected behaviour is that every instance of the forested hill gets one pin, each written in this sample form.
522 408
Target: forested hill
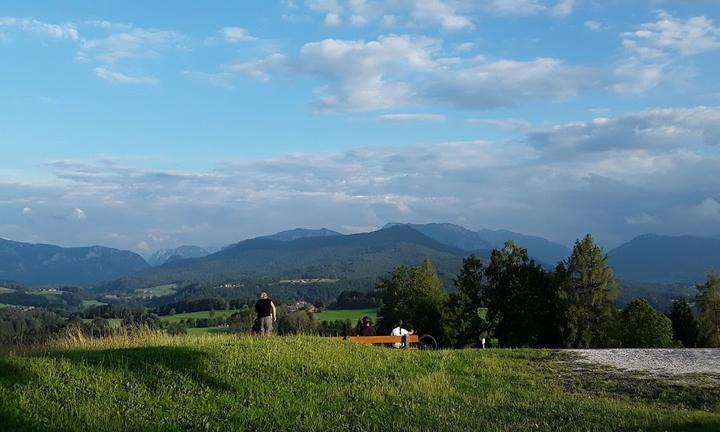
356 256
666 259
39 264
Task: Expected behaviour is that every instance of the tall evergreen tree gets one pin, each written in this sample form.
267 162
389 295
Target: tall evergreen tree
708 302
684 324
464 315
587 293
414 295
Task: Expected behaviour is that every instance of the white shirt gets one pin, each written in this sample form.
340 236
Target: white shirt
399 331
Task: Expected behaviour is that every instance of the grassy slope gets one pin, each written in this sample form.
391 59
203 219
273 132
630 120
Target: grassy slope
4 290
199 315
343 314
307 384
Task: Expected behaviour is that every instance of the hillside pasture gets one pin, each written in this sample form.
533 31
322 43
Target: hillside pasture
343 314
234 383
156 291
4 290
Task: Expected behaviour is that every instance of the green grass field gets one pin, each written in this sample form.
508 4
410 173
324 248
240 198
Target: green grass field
4 290
242 383
156 291
198 315
343 314
91 303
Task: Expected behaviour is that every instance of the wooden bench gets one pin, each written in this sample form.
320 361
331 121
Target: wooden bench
407 340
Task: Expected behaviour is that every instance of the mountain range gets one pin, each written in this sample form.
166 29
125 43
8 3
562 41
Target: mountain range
305 253
666 259
484 240
357 256
162 256
41 264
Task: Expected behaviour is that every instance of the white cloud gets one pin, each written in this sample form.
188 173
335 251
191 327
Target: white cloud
333 20
31 25
655 49
132 43
441 13
78 214
449 15
641 219
120 78
236 34
361 75
27 211
395 71
609 176
594 25
673 36
412 117
709 208
491 84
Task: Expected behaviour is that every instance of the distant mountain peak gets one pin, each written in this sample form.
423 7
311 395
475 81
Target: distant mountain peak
298 233
162 256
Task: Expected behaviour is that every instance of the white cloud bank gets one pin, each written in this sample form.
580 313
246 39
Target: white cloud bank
401 70
614 177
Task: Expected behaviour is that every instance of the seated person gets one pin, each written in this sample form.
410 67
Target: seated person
361 325
368 329
398 330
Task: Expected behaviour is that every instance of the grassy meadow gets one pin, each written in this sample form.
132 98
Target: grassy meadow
235 383
4 290
343 314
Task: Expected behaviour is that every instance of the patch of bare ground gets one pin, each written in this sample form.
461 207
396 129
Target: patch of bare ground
688 378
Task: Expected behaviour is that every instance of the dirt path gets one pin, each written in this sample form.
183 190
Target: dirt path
657 361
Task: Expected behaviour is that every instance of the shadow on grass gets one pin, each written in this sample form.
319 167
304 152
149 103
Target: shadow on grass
150 366
12 373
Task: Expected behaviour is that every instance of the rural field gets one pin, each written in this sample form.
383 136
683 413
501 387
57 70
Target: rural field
343 314
228 383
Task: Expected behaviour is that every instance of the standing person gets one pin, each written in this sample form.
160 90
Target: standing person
266 314
398 330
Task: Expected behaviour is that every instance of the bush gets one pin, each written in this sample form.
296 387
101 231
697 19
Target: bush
176 328
643 327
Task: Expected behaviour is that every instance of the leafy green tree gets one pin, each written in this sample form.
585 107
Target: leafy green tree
588 289
465 312
708 302
684 324
643 327
522 300
414 295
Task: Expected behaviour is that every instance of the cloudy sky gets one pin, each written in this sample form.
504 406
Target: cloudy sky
184 122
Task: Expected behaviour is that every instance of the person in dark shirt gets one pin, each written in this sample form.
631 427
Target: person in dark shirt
266 314
368 329
361 325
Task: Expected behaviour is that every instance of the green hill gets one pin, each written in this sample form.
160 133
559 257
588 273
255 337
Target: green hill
357 256
41 264
231 383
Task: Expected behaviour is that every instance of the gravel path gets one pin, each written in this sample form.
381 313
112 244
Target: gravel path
657 361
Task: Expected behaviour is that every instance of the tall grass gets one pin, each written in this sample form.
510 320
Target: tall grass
146 381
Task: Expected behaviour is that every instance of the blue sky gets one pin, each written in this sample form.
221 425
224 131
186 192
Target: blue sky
144 127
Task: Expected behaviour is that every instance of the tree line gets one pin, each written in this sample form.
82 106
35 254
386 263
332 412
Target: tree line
517 303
